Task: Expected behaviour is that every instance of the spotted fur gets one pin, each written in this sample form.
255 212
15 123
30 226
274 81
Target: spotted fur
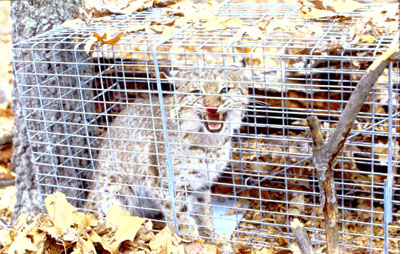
132 161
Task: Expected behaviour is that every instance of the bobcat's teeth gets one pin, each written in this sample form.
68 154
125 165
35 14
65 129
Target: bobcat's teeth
214 126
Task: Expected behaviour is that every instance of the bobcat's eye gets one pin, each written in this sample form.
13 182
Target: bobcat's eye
225 90
196 91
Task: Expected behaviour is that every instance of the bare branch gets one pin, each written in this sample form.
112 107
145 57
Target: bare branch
359 96
324 154
301 237
315 130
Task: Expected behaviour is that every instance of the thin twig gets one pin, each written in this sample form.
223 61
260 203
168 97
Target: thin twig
301 237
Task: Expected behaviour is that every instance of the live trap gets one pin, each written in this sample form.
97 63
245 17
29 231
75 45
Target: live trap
72 89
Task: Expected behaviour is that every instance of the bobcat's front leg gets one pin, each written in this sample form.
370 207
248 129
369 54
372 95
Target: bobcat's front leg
200 210
186 225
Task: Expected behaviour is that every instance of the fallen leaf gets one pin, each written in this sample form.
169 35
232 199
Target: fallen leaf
255 33
348 6
89 44
21 245
111 41
74 23
8 198
233 22
5 239
39 239
137 28
237 36
126 226
162 241
85 219
137 5
60 211
265 251
221 23
84 246
97 239
167 32
320 12
367 39
157 28
70 234
21 221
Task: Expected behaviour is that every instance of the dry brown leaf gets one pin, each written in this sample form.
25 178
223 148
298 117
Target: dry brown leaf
85 219
50 230
105 7
21 245
103 39
278 24
5 238
157 28
237 36
162 242
60 211
344 6
126 226
137 5
74 23
137 28
115 39
84 246
38 237
94 237
367 39
89 44
265 250
233 22
112 41
320 12
114 214
21 221
254 32
384 20
7 200
167 32
221 23
6 129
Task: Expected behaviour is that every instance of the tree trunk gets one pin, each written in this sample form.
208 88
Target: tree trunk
31 18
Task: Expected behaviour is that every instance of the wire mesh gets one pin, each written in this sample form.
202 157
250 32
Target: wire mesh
109 126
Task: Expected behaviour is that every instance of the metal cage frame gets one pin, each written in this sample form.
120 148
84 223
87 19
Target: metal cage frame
68 98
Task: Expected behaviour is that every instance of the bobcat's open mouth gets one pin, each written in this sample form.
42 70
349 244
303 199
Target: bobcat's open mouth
214 121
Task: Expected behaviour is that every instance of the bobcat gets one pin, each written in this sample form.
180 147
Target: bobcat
201 117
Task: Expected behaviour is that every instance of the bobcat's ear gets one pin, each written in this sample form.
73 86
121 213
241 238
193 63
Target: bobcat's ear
170 74
174 77
239 68
239 65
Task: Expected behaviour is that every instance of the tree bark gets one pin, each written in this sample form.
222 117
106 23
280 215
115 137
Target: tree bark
301 237
31 18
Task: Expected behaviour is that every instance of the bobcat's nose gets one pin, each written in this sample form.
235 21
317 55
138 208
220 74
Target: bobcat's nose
211 108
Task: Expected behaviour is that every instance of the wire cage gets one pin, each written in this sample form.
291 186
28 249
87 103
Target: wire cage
103 127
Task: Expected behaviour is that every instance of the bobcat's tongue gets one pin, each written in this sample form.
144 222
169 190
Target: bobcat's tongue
213 126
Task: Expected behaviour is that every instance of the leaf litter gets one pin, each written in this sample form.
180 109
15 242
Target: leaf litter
67 230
